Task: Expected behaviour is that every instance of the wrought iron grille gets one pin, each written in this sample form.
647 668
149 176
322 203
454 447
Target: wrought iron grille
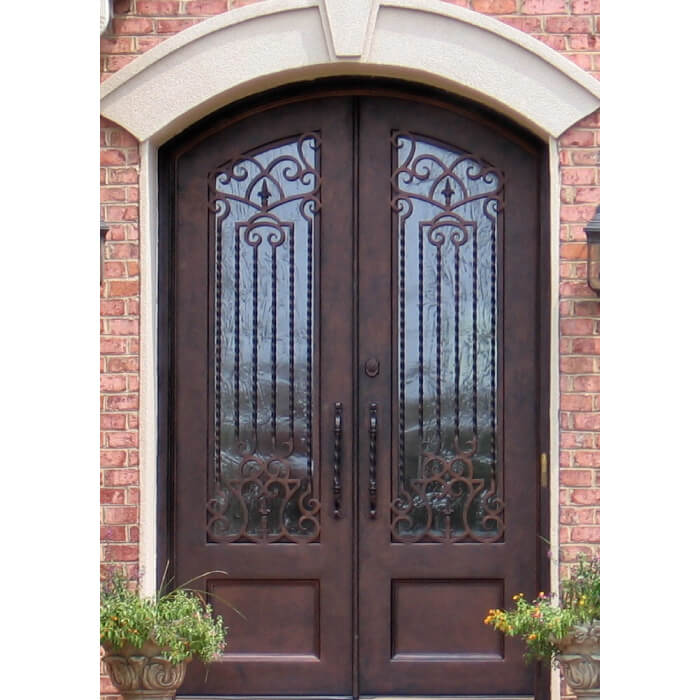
265 208
446 205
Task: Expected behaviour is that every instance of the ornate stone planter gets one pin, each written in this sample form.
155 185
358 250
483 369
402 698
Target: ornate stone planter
579 659
143 672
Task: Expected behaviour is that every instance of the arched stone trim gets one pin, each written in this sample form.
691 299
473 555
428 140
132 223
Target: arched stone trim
260 46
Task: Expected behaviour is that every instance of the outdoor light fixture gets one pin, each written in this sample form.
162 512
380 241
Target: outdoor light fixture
103 234
592 231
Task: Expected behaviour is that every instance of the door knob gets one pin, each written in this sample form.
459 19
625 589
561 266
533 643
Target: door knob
372 367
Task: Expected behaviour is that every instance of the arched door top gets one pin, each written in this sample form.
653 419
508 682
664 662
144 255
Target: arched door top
274 42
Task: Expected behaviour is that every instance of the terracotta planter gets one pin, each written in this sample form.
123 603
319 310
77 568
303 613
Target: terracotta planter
143 672
579 660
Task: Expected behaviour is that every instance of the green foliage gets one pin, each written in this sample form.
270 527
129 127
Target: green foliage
545 621
180 621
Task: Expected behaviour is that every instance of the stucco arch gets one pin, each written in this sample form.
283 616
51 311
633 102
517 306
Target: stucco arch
260 46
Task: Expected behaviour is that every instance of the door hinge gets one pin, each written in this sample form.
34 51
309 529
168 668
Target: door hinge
544 471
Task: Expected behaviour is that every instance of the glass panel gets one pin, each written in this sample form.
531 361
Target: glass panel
265 213
446 205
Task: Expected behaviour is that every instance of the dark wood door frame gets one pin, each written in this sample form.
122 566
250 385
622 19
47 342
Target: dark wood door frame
259 104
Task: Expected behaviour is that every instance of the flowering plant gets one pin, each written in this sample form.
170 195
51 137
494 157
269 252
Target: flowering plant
545 621
180 622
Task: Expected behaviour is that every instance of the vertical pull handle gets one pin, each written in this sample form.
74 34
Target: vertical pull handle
337 437
373 460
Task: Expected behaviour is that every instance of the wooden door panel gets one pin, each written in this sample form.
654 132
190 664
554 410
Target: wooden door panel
259 359
431 563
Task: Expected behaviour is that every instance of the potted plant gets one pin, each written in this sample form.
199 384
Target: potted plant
149 641
564 631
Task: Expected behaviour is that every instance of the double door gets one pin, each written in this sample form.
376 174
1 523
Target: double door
351 411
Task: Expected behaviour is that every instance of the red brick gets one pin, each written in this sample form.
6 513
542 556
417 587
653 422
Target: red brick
582 60
575 477
123 250
112 458
116 44
569 402
579 176
530 25
568 25
112 383
573 251
591 157
111 307
121 213
113 496
119 515
122 552
112 156
576 289
121 477
585 7
123 326
577 213
588 194
122 402
132 496
586 459
206 7
113 269
123 364
569 440
134 534
132 25
584 42
571 554
572 326
110 421
587 383
578 516
554 41
112 194
587 421
580 138
543 7
113 533
117 176
115 63
145 43
575 365
157 8
586 346
122 439
494 7
172 26
124 289
585 534
112 346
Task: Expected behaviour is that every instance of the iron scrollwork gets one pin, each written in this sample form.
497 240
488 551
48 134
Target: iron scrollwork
445 202
264 207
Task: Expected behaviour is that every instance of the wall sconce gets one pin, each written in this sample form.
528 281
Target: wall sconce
592 231
103 235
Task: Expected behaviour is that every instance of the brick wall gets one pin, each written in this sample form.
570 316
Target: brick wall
569 26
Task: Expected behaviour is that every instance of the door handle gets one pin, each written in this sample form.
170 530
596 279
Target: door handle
373 460
337 437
